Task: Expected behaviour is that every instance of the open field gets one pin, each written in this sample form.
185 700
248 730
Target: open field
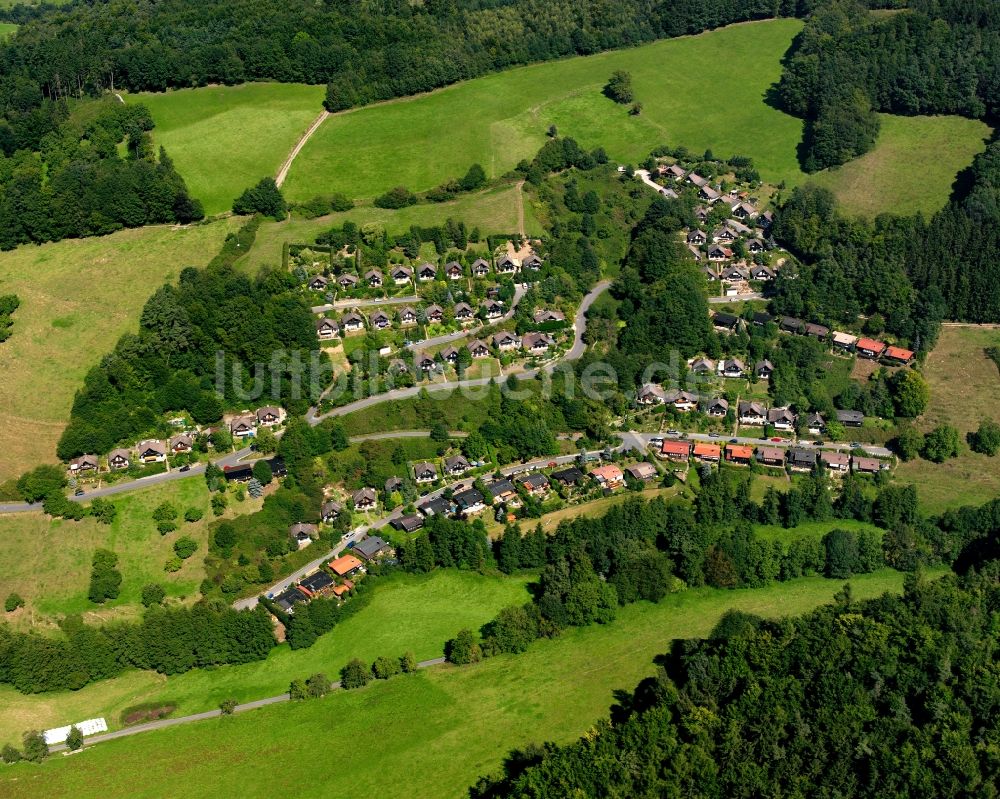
47 561
964 387
911 168
492 211
812 529
499 119
225 138
77 297
7 29
420 725
416 613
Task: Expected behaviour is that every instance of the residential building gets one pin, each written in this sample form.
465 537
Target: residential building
844 341
898 355
243 425
543 316
675 450
739 454
781 418
732 367
537 342
364 499
706 453
569 476
373 277
326 329
802 460
850 418
771 456
457 464
181 444
345 565
642 471
409 523
85 463
380 320
319 283
119 459
717 407
453 270
317 583
535 483
434 314
480 268
152 451
608 475
401 275
352 322
330 510
835 461
464 312
426 272
407 316
425 473
287 600
469 502
752 413
763 369
347 281
372 547
815 424
501 490
870 348
478 349
269 415
866 465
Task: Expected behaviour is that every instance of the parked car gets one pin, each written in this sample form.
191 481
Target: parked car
714 435
78 492
777 439
673 432
185 468
734 441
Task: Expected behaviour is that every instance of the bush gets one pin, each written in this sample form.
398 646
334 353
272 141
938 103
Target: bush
74 741
227 706
13 602
941 443
173 564
619 87
355 674
10 754
152 594
408 663
35 749
192 515
318 686
262 472
986 440
185 547
219 503
463 649
399 197
264 198
385 667
104 510
297 689
41 481
105 579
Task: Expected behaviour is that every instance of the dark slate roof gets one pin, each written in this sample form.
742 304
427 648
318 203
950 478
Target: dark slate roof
498 487
570 475
802 457
370 547
468 498
438 505
409 523
289 598
317 582
850 416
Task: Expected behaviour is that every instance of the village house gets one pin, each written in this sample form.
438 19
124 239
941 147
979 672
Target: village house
426 272
641 471
319 283
438 506
330 510
244 425
287 600
425 472
866 465
734 274
501 490
815 424
505 341
535 484
401 275
739 454
697 180
380 320
835 461
682 401
743 210
801 460
152 451
702 212
702 366
456 465
119 459
302 533
737 228
469 502
755 247
453 270
850 418
763 369
364 499
426 363
709 194
449 355
394 483
269 415
463 312
719 253
478 349
407 316
675 450
537 342
819 332
844 341
352 322
507 265
751 413
651 394
710 272
898 355
345 565
434 314
726 321
732 368
347 281
771 456
761 273
326 329
373 277
674 172
532 262
340 591
181 444
543 316
761 318
480 268
570 476
707 453
372 548
317 584
696 237
870 348
409 523
83 464
781 418
717 407
609 476
492 309
789 324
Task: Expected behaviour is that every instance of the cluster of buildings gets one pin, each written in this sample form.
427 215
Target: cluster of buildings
357 322
795 459
154 450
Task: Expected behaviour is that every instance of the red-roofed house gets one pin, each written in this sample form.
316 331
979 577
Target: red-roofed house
739 454
609 475
898 355
707 453
676 450
345 565
869 348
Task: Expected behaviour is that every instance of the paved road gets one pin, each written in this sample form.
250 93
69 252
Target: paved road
208 714
447 338
755 295
341 305
580 322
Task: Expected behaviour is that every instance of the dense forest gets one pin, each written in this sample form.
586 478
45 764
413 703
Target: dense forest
896 696
256 335
937 57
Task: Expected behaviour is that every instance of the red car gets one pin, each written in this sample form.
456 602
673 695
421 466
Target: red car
777 440
552 464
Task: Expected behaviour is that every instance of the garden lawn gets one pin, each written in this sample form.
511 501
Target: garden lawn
964 387
78 296
428 735
702 91
492 211
912 167
225 138
47 561
415 613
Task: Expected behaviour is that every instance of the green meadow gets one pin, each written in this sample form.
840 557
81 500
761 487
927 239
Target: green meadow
225 138
428 735
7 29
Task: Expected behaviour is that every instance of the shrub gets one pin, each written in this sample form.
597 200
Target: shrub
41 481
173 564
318 686
105 579
74 741
13 602
35 749
385 667
355 674
463 649
297 689
227 706
941 443
219 503
192 515
104 510
152 594
399 197
986 439
264 198
10 754
185 547
408 663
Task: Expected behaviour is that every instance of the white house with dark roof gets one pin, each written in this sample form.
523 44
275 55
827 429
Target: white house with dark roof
401 275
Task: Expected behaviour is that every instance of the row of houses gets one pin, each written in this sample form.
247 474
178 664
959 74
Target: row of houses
155 450
863 347
796 459
426 272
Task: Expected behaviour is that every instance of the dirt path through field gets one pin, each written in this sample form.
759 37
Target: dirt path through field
520 209
283 172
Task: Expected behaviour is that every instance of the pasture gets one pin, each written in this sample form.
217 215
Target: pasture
912 167
964 386
225 138
419 725
7 29
78 296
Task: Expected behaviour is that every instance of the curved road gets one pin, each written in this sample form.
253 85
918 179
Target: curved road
417 346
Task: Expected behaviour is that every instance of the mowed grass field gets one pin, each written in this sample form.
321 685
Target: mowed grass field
911 168
702 91
78 297
415 613
492 211
812 529
7 29
964 386
47 561
428 735
226 138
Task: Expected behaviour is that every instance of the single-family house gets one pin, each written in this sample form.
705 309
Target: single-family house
469 502
719 253
532 262
345 565
870 348
347 281
426 364
737 228
682 401
364 499
608 476
352 322
866 465
675 172
373 277
536 343
771 456
302 533
438 506
501 490
651 394
675 450
463 312
317 583
702 366
319 283
401 275
492 309
85 463
543 316
330 510
734 274
181 444
507 265
732 367
393 484
819 332
449 354
119 459
243 425
424 472
409 523
407 316
326 329
287 600
763 369
835 461
371 548
761 318
696 237
453 270
717 407
710 272
815 424
343 589
380 320
696 179
457 464
739 454
762 273
781 418
802 460
426 272
898 355
850 418
269 415
568 476
751 413
755 247
478 349
434 313
642 471
702 212
844 341
152 451
706 453
790 324
709 194
535 483
480 268
743 210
